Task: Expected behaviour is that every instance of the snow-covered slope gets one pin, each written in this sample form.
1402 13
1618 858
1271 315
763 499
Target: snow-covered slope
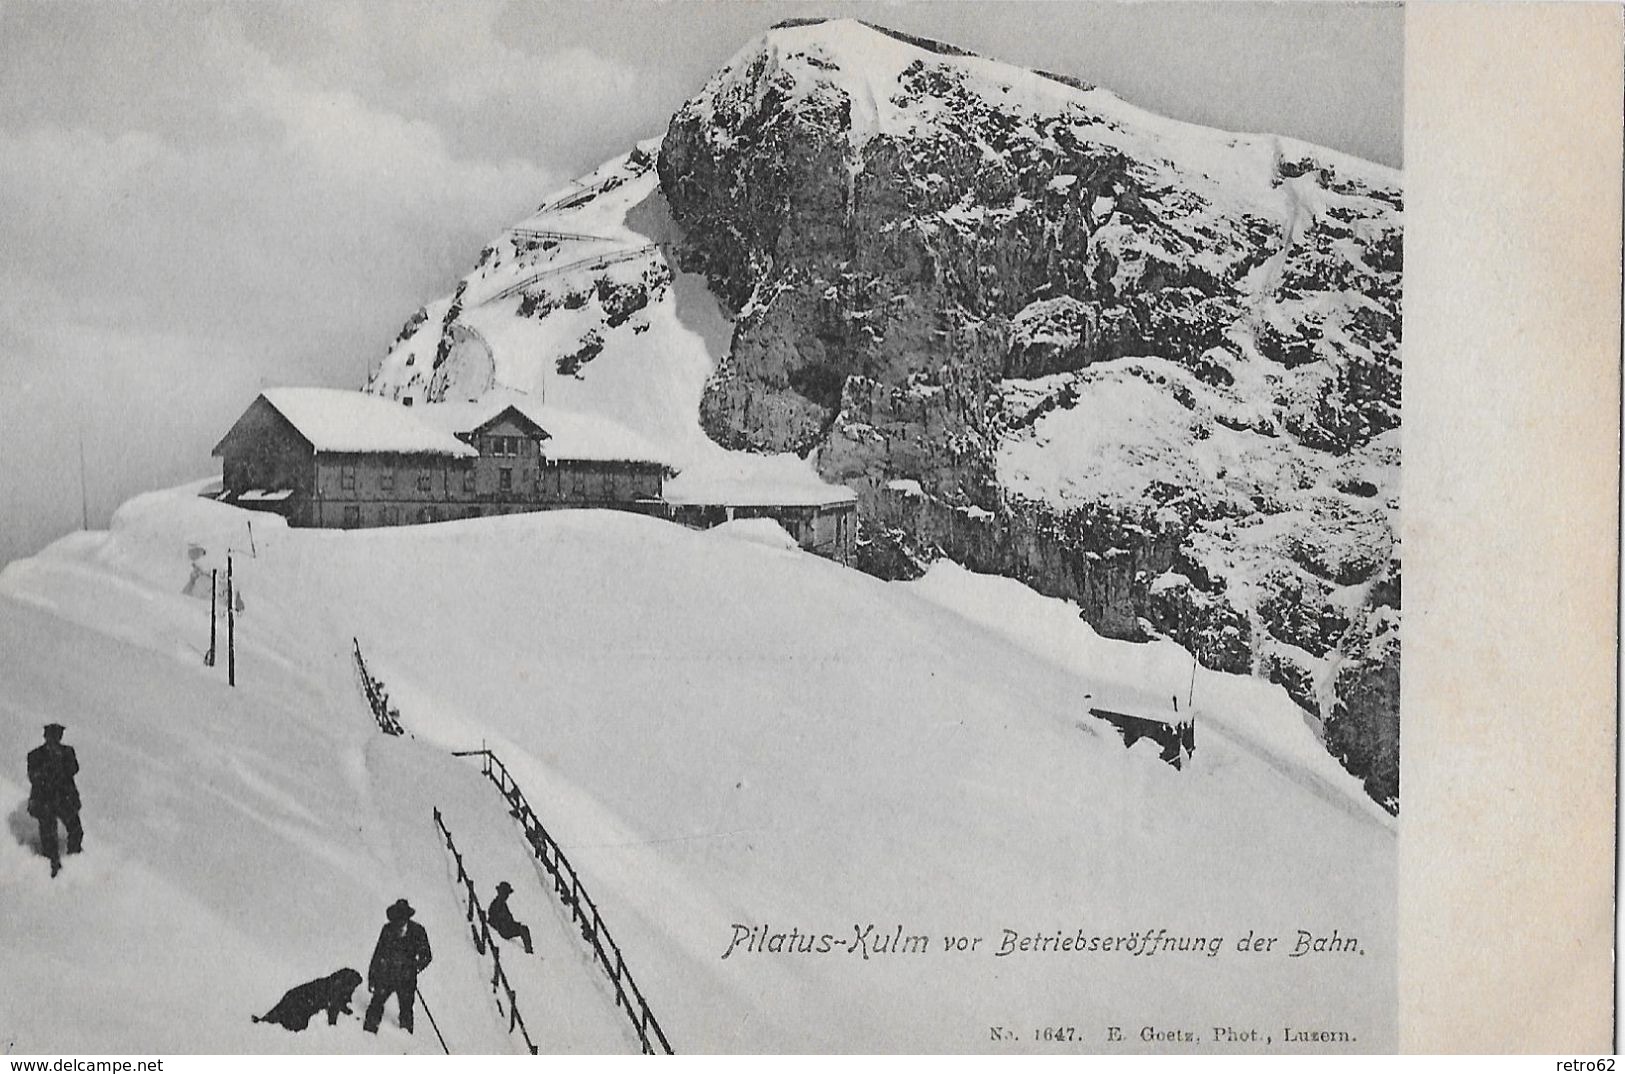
721 731
578 306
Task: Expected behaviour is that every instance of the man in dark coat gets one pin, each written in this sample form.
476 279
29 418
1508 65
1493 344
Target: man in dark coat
402 953
53 795
502 920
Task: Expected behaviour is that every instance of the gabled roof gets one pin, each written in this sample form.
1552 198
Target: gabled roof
345 421
519 417
353 423
567 434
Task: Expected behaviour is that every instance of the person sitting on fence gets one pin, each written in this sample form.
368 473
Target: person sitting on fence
502 921
402 953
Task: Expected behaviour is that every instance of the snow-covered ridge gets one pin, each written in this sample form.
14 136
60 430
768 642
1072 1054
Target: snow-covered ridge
867 66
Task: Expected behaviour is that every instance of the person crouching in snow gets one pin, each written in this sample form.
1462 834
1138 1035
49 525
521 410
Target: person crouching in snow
501 918
53 795
401 954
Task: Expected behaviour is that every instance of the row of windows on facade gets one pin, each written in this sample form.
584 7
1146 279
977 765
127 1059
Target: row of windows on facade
570 483
386 479
391 515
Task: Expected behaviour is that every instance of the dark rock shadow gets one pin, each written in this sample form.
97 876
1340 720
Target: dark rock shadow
697 307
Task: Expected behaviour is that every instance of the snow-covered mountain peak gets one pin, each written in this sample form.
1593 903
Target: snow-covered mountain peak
875 82
1149 366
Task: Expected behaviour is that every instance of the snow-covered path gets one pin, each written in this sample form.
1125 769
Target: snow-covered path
232 853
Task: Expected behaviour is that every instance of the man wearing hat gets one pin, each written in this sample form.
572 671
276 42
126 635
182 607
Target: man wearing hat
402 953
52 794
501 918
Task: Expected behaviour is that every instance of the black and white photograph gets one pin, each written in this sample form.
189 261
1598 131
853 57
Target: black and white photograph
709 527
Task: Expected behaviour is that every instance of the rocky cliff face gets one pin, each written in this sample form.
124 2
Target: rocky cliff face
1144 365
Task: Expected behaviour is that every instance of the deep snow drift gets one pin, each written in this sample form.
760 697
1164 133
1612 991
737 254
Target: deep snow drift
721 731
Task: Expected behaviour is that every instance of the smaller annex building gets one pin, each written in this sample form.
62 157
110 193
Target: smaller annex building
329 458
821 518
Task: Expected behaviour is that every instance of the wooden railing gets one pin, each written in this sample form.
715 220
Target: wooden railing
532 234
595 262
480 930
628 996
389 721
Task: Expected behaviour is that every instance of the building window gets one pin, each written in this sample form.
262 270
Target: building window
423 514
386 480
505 479
502 445
423 481
352 516
468 480
347 478
392 516
434 514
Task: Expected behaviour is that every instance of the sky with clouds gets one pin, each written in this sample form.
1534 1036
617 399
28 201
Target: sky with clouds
199 199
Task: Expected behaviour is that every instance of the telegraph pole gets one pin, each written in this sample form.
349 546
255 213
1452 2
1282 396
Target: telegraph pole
84 498
231 626
214 596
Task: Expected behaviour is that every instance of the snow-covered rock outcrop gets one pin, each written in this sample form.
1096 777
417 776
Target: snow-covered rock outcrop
1145 365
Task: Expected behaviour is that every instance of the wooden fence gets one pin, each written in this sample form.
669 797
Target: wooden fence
480 929
389 721
628 996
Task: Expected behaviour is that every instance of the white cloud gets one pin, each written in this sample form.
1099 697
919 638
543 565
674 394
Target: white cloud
154 278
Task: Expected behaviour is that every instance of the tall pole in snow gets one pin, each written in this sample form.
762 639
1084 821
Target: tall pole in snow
231 626
1191 696
214 599
84 498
